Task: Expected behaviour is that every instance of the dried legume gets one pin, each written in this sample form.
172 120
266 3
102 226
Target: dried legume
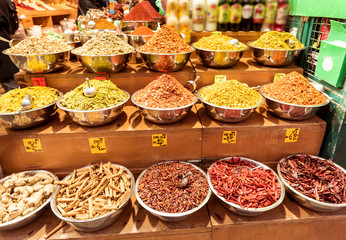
277 40
218 42
40 45
231 93
294 88
159 187
316 178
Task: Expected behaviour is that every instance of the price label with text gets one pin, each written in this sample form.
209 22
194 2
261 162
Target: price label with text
229 137
216 33
32 145
292 134
39 81
220 78
97 145
159 140
277 76
100 78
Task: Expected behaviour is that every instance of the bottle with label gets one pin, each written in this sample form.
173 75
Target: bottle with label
281 15
172 7
184 6
246 22
211 15
171 14
198 9
258 15
224 15
185 25
269 17
236 12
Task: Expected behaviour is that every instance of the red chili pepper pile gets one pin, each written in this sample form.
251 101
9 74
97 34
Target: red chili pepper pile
248 188
316 178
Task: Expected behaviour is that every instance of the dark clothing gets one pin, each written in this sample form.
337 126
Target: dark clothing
85 5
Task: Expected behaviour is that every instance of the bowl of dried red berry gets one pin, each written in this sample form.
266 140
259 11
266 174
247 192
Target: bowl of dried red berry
244 186
314 182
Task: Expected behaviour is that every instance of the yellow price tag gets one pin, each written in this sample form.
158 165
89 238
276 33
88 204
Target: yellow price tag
292 134
220 78
216 33
32 145
97 145
159 140
229 137
277 76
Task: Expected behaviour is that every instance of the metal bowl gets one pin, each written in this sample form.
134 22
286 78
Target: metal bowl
164 115
93 224
137 41
93 118
171 217
20 222
226 114
132 25
40 63
219 58
235 208
165 62
274 57
291 111
29 118
305 200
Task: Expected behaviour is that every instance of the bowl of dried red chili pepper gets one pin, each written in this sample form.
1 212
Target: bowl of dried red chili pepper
172 190
244 186
314 182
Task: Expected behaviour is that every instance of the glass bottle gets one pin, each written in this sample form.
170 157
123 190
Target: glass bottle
247 11
224 15
236 12
211 15
258 15
281 15
269 17
198 9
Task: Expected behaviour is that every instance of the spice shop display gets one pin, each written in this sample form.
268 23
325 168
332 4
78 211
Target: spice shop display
229 101
244 186
137 17
142 30
152 12
91 198
172 191
314 182
293 97
104 24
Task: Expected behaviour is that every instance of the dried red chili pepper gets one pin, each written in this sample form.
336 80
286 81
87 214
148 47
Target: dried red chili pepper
316 178
248 188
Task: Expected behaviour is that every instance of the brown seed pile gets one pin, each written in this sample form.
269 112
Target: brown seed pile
166 40
294 88
165 92
160 189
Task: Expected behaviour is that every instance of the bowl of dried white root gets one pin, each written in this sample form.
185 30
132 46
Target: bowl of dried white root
93 197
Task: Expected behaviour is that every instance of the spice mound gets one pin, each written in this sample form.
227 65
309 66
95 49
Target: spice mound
316 178
39 45
230 93
153 13
165 92
22 193
218 42
107 95
166 40
294 88
234 180
93 191
40 97
138 13
277 40
104 24
160 187
142 31
104 43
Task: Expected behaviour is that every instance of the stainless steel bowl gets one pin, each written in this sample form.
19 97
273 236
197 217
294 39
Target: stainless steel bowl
305 200
171 217
40 63
29 118
93 118
292 111
164 115
132 25
225 114
22 221
137 41
93 224
165 62
235 208
274 57
219 58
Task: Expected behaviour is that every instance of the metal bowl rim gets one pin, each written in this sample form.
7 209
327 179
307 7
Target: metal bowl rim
162 109
218 51
90 111
171 215
227 108
165 54
295 105
282 179
58 214
31 55
238 207
12 222
139 21
113 55
269 49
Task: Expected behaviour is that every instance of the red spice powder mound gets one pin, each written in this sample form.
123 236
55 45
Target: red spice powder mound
142 30
138 13
153 13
